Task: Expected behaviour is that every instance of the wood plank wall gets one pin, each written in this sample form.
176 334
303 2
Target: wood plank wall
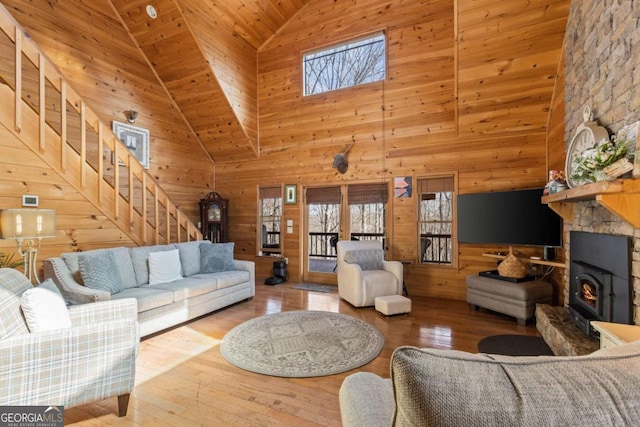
461 98
95 54
469 88
80 226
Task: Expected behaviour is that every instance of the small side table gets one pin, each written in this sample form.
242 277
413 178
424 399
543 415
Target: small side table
612 334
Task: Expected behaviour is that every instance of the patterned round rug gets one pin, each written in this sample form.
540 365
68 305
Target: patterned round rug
301 344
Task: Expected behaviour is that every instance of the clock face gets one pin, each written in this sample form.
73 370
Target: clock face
583 140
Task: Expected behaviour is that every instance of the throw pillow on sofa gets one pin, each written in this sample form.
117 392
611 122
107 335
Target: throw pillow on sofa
164 267
44 308
99 271
216 257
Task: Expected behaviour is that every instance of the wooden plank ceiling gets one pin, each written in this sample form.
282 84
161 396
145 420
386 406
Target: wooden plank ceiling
205 54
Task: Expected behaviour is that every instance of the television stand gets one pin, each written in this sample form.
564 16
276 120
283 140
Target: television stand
513 299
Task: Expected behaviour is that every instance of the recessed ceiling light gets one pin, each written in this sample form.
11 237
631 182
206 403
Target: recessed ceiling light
151 11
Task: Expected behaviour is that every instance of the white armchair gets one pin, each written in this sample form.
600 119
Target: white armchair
363 274
92 360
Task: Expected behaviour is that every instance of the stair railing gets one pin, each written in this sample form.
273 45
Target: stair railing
50 118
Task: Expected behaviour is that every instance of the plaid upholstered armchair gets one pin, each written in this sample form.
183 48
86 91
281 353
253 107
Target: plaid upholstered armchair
90 358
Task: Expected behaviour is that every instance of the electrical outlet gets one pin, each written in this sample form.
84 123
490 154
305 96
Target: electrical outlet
286 260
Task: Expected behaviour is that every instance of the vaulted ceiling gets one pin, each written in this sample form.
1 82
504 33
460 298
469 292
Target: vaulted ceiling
204 55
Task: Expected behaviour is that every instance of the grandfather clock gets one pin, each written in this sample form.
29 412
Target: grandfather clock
213 217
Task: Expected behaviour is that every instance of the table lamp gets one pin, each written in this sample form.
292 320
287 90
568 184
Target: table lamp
28 227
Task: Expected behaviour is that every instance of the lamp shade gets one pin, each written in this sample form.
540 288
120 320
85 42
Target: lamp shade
27 223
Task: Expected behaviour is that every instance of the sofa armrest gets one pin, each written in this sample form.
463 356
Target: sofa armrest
396 268
250 267
69 366
57 270
104 311
366 400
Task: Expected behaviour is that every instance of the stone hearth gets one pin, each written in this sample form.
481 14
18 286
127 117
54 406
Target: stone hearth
561 334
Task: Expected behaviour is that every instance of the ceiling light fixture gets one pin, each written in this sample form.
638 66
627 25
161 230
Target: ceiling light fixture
151 11
131 116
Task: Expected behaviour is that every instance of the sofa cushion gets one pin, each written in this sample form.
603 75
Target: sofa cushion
367 259
44 308
190 256
164 266
189 287
452 388
148 297
140 260
216 257
97 269
123 264
226 279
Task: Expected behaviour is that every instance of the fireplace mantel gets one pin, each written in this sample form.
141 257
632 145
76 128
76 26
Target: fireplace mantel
620 196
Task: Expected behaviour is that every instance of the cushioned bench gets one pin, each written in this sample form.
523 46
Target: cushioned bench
514 299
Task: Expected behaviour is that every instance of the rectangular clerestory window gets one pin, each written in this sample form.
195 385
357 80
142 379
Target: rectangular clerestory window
355 62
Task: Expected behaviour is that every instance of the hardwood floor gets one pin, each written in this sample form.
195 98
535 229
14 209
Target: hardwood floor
182 379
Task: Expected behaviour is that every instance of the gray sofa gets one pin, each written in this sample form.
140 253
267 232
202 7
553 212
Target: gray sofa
160 305
430 387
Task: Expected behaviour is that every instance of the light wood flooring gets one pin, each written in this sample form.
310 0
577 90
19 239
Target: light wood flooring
182 379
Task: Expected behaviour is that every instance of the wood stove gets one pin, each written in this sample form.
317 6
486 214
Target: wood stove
600 284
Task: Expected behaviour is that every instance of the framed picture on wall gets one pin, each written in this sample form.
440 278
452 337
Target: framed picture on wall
290 194
135 138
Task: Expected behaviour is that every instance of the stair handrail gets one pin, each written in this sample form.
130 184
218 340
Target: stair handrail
53 147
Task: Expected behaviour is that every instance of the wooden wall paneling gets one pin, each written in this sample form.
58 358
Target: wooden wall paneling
113 77
406 126
419 124
170 46
80 226
233 60
507 99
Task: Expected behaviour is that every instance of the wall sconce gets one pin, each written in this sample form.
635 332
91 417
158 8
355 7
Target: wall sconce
28 226
131 116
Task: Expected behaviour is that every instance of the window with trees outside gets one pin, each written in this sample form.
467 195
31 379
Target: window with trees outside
355 62
270 205
435 224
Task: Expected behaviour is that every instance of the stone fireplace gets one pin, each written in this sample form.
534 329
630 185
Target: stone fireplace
601 61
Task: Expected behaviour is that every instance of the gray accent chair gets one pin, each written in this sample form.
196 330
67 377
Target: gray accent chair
432 387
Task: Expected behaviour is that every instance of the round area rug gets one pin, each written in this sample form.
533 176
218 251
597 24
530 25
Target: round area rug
301 344
514 345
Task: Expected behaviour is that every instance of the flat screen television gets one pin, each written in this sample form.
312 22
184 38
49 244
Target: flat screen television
508 218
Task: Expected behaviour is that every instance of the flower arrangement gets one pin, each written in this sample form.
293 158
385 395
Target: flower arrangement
589 165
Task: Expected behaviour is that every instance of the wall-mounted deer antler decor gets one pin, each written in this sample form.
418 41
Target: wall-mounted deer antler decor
340 160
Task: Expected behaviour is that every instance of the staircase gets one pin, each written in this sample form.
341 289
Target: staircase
49 118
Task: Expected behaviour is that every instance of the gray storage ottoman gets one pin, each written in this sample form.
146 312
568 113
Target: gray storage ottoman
514 299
